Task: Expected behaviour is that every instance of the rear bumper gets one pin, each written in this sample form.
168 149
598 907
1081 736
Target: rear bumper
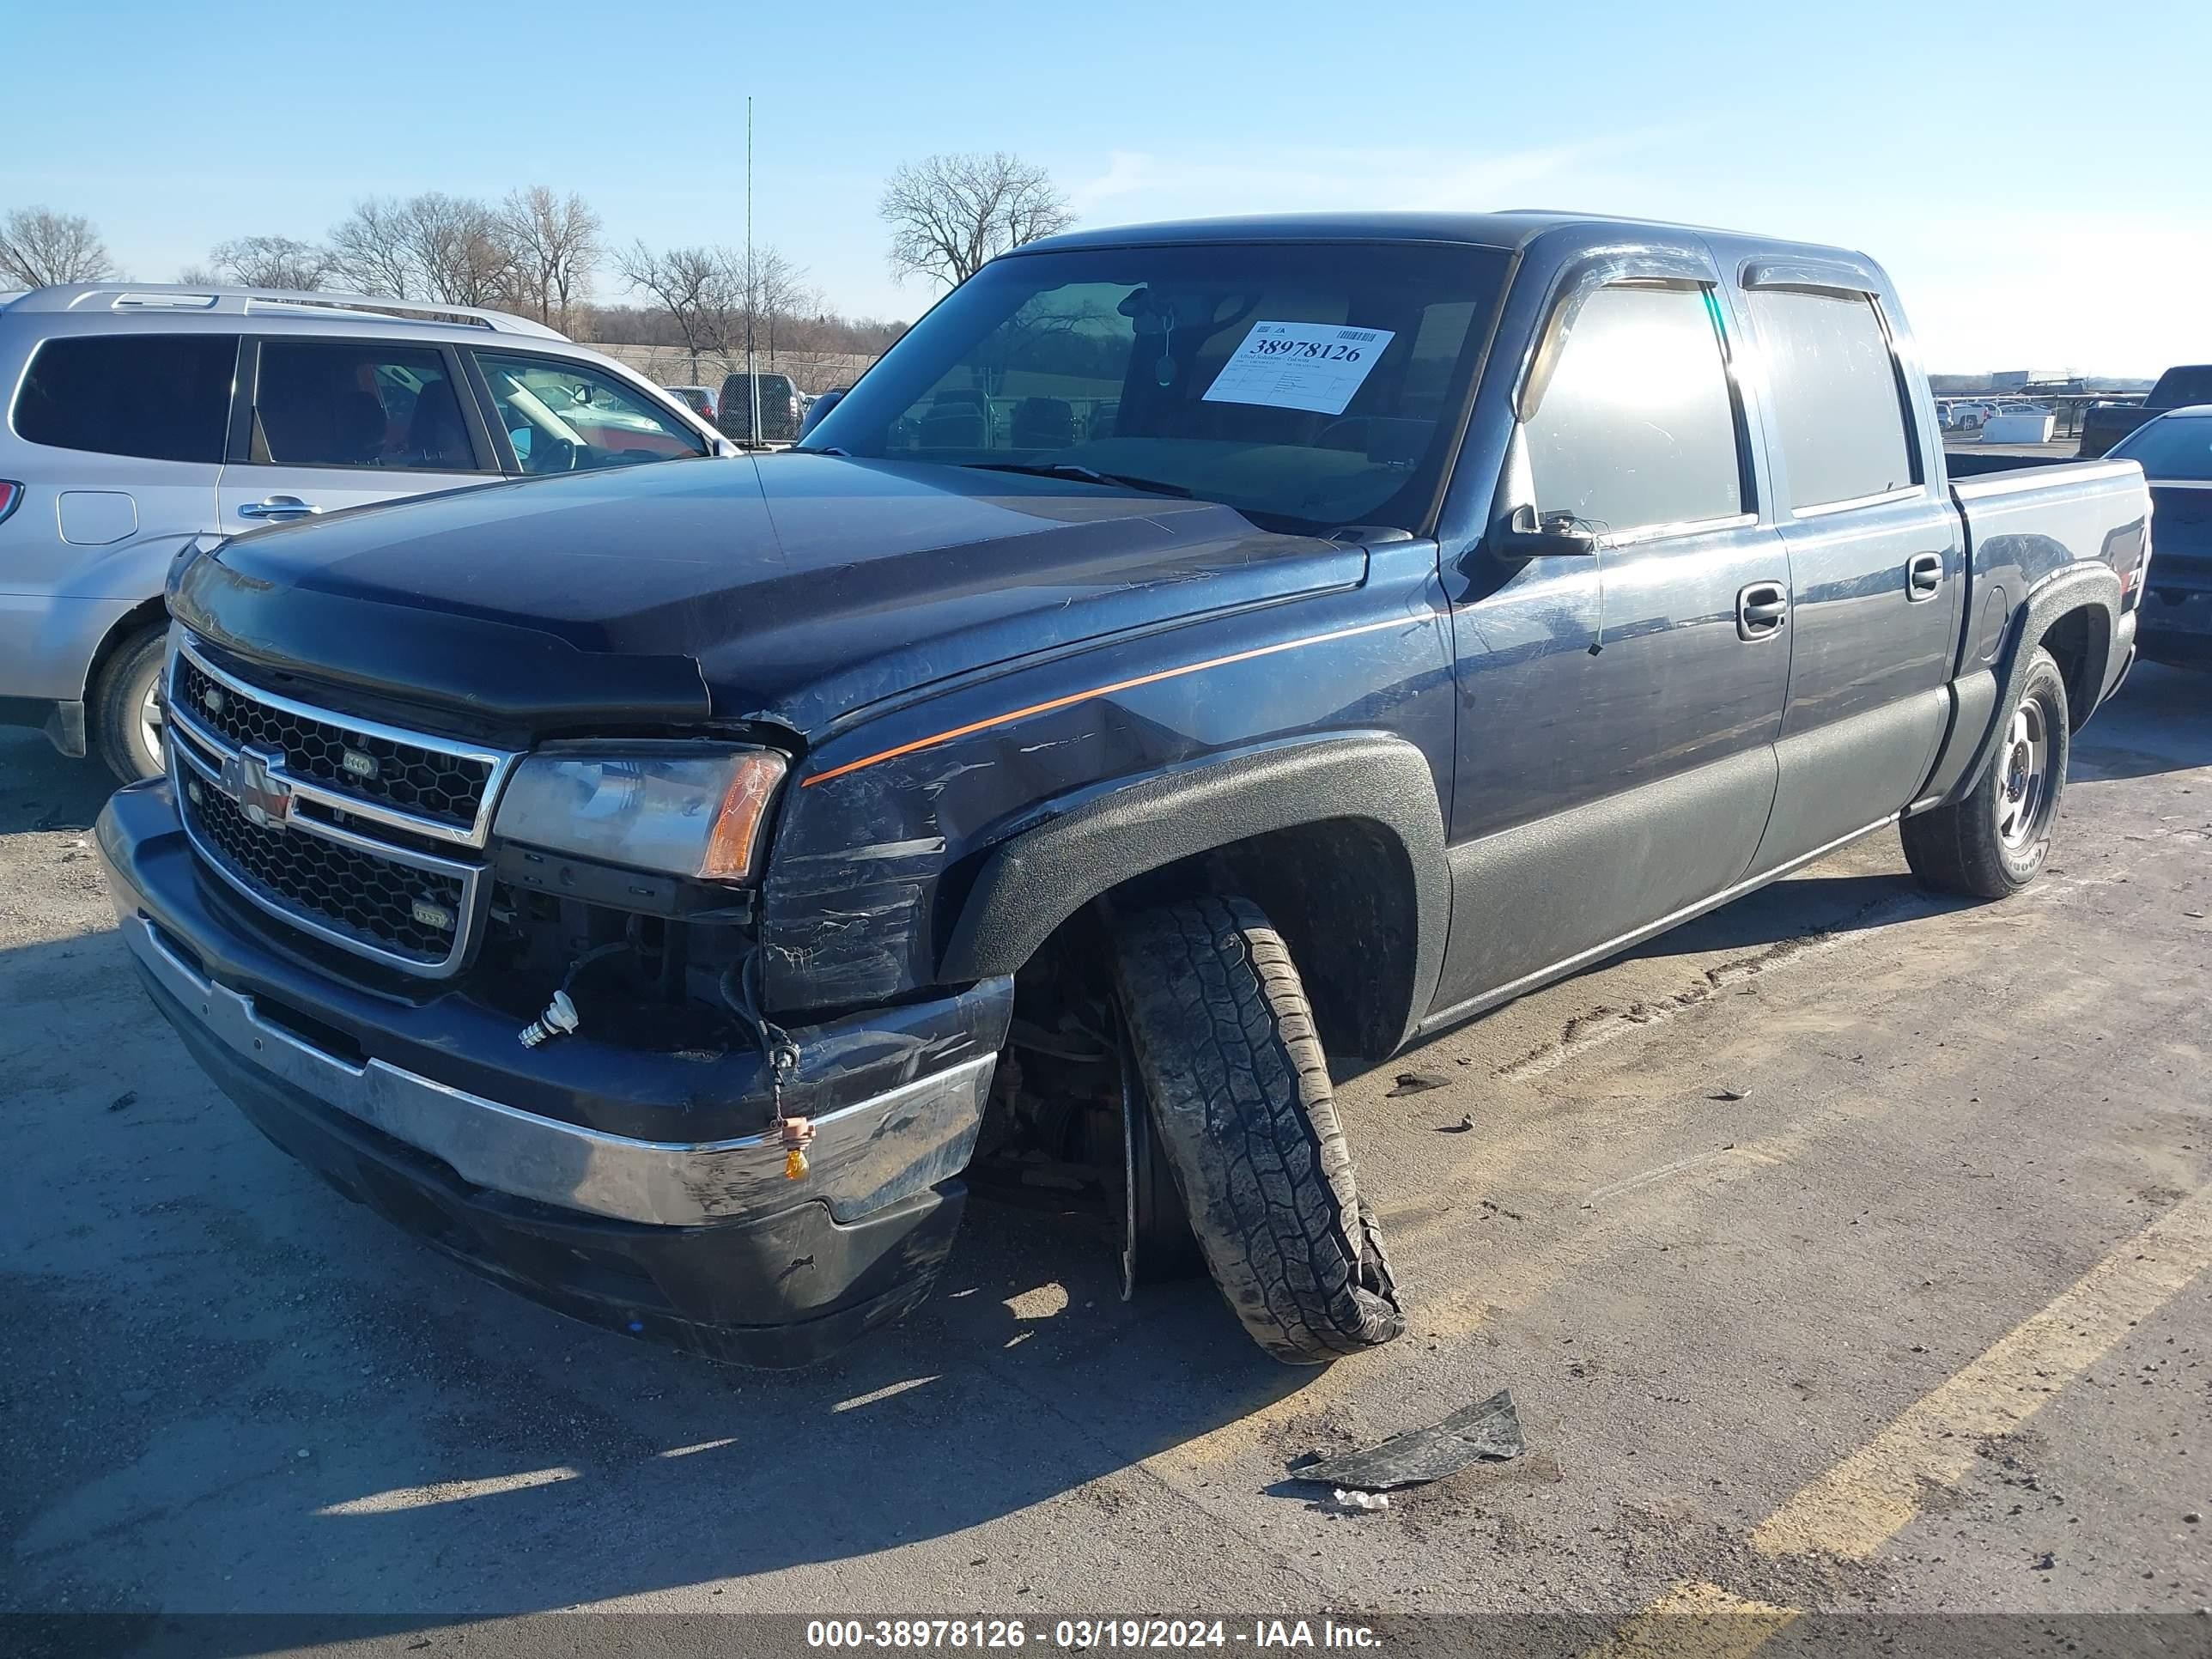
700 1243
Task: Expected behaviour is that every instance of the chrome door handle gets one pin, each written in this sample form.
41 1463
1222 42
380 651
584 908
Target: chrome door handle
1923 575
1762 610
279 508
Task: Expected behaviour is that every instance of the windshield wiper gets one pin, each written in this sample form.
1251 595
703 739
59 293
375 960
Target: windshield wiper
1081 474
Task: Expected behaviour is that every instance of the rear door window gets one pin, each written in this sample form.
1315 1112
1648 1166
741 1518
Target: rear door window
1837 399
1638 425
160 397
567 418
359 403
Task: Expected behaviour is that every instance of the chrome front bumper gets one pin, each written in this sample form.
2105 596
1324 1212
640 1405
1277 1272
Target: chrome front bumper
863 1157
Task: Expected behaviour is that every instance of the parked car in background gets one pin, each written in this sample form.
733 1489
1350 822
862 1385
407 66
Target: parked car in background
2175 453
1355 622
783 408
146 420
2183 386
699 399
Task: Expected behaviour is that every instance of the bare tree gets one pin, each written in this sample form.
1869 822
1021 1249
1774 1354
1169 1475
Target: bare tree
273 262
39 247
372 252
460 250
555 240
695 287
771 292
949 213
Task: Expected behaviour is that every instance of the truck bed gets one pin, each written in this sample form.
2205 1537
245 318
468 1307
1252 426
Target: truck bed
2027 526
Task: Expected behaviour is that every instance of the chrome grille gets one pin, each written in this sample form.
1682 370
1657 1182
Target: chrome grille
312 855
369 900
420 783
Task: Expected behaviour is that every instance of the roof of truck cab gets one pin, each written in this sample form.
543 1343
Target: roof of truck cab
1505 231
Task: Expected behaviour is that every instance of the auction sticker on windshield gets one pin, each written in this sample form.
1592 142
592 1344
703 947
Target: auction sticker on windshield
1313 366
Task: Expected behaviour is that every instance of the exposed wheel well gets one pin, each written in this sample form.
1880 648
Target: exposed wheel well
2080 642
1341 894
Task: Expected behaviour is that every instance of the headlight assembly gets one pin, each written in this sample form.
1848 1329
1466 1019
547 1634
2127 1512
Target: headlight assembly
679 808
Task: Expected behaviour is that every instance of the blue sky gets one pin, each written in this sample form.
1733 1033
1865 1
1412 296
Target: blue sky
1958 142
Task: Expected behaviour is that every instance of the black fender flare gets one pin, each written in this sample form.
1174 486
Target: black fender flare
1031 884
2092 586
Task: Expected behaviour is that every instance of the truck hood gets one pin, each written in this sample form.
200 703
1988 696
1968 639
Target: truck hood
791 588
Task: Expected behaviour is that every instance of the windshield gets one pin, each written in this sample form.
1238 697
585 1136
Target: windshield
2170 447
1310 386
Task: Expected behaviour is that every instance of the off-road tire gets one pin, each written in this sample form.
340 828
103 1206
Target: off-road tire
1959 848
1239 1088
131 671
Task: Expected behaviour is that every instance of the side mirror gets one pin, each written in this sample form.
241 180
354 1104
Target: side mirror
1556 535
821 406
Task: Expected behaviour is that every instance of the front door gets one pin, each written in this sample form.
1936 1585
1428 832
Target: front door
1618 706
334 424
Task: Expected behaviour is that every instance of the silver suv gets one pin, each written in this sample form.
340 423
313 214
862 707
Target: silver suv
142 419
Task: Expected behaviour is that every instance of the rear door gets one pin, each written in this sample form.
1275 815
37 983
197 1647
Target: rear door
118 440
1876 554
329 423
1617 708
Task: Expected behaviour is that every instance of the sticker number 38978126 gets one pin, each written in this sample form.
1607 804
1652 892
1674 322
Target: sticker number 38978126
1311 366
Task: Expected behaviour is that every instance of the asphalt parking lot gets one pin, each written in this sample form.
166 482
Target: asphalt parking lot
1844 1250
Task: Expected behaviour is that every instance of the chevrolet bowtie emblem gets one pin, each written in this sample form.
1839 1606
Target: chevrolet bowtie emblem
265 800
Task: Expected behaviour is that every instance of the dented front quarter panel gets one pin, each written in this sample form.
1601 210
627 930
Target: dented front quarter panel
886 821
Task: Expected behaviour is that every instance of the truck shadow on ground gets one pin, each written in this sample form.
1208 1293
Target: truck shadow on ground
40 790
2161 721
1799 910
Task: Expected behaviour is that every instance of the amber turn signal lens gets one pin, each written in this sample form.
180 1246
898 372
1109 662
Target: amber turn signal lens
736 833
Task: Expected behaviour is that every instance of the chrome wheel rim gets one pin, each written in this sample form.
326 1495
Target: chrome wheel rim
2024 776
150 720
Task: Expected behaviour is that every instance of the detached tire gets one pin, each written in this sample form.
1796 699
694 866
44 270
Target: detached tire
125 707
1993 843
1239 1090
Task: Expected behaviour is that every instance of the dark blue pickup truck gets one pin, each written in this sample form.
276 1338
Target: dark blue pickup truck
1191 651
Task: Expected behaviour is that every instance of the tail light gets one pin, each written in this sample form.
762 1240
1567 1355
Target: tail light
11 496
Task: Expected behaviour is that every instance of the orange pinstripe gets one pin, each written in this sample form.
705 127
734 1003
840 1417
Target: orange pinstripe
1106 690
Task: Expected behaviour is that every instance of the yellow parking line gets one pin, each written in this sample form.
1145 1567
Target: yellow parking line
1862 1502
1865 1500
1697 1621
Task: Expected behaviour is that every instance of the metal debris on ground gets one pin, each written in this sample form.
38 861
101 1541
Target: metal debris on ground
1489 1430
1465 1123
1414 1083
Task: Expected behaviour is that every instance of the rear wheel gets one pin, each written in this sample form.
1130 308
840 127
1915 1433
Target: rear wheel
126 708
1239 1090
1994 842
